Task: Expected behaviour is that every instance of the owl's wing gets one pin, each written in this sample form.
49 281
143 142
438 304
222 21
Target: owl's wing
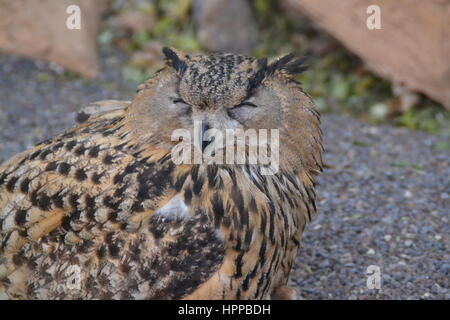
81 216
106 109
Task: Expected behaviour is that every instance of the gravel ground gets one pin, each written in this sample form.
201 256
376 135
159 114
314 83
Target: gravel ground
384 202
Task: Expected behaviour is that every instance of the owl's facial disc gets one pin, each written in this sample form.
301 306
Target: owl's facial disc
228 91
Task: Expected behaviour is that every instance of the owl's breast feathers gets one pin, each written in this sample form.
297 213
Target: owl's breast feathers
88 214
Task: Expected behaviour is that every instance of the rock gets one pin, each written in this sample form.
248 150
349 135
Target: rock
347 258
404 99
411 48
225 25
39 31
408 194
135 21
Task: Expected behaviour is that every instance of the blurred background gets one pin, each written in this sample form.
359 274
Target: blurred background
384 95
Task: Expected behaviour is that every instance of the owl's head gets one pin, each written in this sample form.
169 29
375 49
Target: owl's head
229 91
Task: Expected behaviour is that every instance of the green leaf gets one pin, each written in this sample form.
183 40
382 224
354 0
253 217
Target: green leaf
141 37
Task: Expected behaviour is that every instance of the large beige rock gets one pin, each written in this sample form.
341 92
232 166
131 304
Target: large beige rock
37 29
412 48
225 25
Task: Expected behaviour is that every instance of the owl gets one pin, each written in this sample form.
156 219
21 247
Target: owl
102 211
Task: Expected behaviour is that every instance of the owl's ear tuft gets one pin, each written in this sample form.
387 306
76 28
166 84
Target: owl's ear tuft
176 59
278 64
297 66
286 63
259 76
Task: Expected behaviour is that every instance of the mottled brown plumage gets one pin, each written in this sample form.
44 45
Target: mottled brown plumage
105 198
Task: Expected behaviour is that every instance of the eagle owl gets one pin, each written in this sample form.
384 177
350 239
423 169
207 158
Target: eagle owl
101 211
